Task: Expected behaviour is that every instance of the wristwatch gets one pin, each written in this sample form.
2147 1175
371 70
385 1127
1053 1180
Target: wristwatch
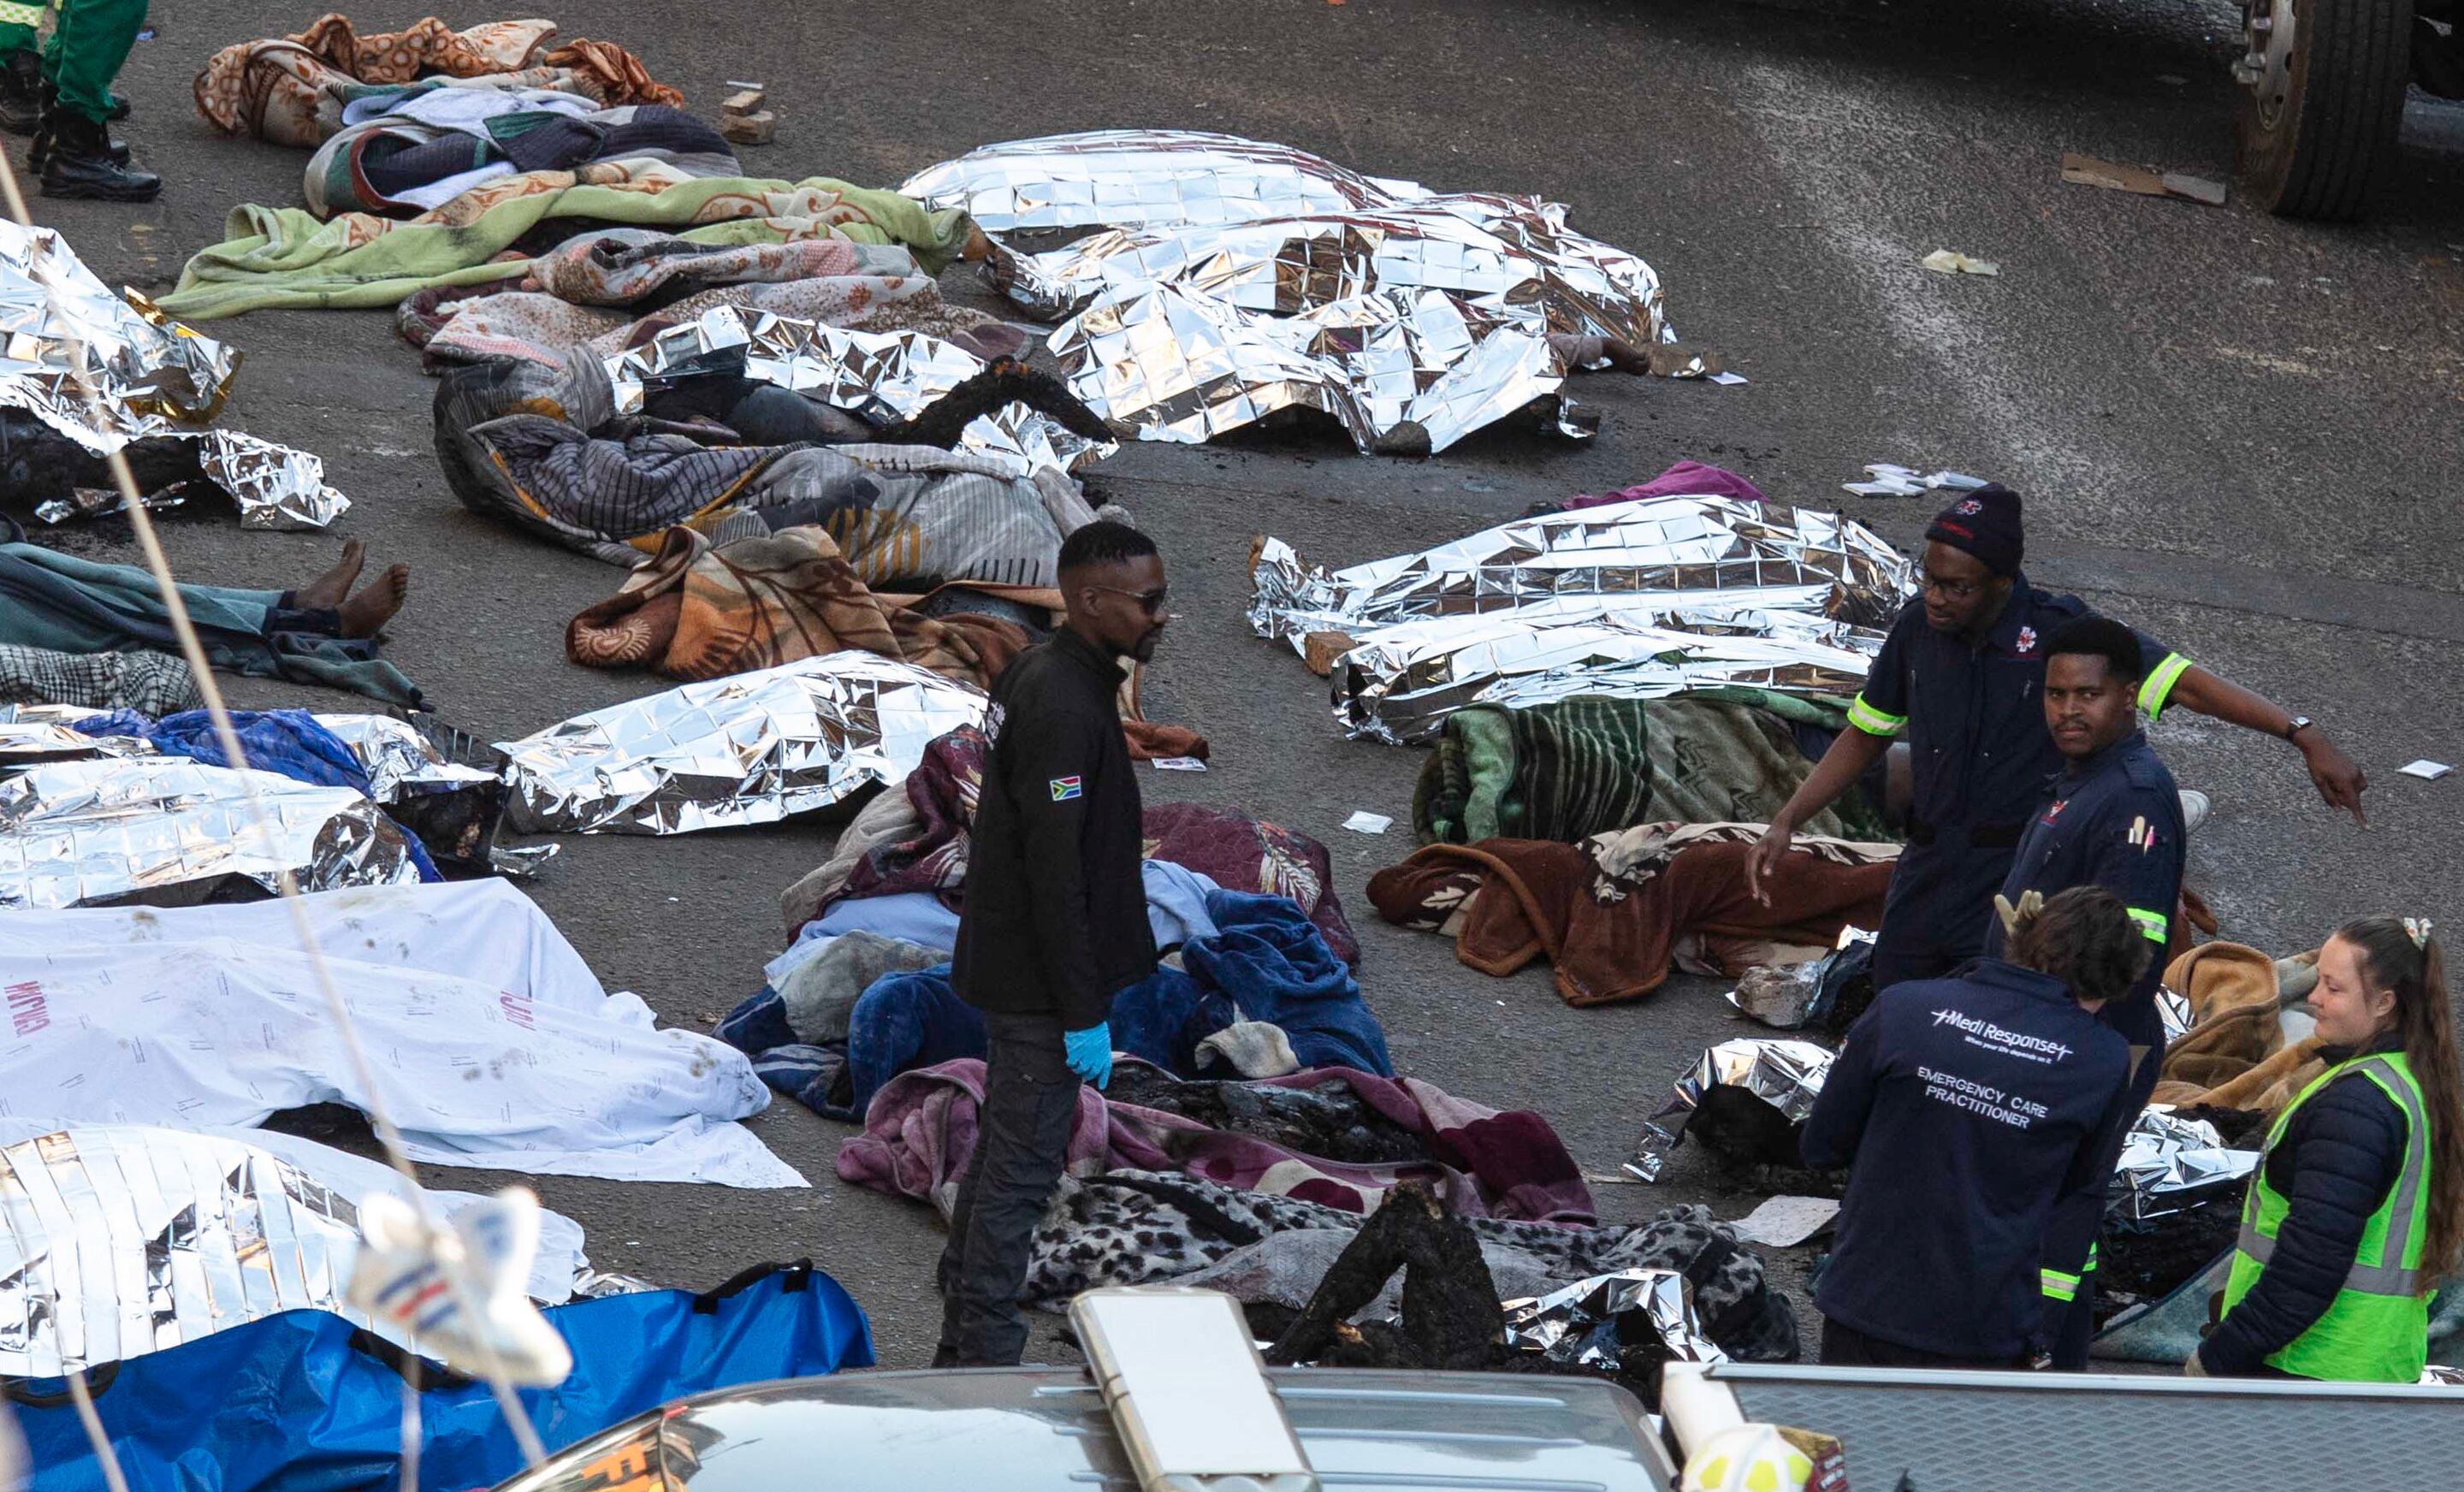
2296 726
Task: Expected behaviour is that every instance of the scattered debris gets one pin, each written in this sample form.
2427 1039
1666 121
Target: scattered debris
749 129
1890 480
1786 1221
1179 764
2088 171
1363 822
2427 770
1945 261
1677 359
1727 380
1320 650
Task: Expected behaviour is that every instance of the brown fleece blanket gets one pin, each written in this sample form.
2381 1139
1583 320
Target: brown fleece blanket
1509 901
2235 1055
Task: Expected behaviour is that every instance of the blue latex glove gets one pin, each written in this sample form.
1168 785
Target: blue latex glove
1091 1052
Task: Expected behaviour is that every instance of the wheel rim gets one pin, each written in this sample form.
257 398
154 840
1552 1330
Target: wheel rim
2269 33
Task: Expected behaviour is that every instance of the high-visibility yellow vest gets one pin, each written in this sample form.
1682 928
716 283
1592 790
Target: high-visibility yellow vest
2377 1330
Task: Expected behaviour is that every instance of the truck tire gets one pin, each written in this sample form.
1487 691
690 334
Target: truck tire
2321 103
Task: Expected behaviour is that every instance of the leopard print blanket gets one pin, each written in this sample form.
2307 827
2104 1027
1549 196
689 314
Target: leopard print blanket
1141 1227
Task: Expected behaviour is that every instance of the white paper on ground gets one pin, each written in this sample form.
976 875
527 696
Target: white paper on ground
1727 380
2427 770
494 1044
1363 822
1179 764
1785 1222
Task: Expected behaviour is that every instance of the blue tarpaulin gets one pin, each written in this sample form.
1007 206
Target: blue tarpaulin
306 1402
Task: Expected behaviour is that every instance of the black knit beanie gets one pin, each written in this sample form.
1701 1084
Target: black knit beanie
1984 523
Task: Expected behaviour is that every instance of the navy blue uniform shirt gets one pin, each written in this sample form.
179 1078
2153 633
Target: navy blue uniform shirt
1967 1108
1975 715
2115 821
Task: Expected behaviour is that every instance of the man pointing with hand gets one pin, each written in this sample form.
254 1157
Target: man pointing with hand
1054 925
1962 677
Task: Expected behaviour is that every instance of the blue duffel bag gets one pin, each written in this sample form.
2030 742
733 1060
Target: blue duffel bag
306 1402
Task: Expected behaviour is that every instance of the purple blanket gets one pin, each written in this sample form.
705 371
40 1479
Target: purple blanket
920 1131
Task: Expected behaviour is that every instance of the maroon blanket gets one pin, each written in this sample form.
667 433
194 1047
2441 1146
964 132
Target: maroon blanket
920 1131
1234 850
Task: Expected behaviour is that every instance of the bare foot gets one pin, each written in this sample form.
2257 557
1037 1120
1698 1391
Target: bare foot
368 611
329 588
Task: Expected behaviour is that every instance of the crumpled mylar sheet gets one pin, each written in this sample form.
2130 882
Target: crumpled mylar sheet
878 376
2170 1164
1637 598
156 378
121 1240
1241 277
154 374
752 748
401 762
1576 1326
1685 552
1782 1072
168 831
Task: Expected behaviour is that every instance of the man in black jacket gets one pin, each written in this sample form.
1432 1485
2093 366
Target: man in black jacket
1055 922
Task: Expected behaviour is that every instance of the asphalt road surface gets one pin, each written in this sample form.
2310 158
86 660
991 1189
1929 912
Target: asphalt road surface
2239 432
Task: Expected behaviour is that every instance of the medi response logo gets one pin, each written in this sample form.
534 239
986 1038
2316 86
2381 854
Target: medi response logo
1982 1032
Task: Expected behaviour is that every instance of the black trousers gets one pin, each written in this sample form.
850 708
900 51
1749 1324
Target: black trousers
1021 1143
1845 1346
2070 1330
1938 910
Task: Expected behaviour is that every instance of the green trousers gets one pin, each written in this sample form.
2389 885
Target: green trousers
89 42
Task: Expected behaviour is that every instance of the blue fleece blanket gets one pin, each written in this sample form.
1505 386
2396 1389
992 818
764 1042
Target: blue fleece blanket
289 743
1264 961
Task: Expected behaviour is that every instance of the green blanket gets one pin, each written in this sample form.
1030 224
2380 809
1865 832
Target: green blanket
285 256
1587 765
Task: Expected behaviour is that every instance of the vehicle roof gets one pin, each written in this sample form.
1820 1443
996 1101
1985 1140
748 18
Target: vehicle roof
1028 1429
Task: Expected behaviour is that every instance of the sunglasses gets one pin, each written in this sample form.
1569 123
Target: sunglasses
1152 602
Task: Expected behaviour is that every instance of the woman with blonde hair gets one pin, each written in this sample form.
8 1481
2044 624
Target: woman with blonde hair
2358 1211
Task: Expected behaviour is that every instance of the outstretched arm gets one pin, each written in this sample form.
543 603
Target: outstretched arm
2340 783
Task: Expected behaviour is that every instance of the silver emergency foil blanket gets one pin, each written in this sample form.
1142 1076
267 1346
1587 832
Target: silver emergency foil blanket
401 762
276 487
1241 277
122 1240
752 748
1688 551
154 378
2172 1165
1638 599
153 373
169 831
879 376
1784 1073
1579 1326
1399 683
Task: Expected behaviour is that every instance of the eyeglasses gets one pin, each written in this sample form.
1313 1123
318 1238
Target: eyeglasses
1152 602
1955 590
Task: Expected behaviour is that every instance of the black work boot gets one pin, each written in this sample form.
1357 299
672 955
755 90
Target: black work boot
21 92
41 149
79 163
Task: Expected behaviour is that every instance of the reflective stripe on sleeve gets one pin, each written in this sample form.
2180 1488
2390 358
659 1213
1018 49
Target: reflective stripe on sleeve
1872 721
2058 1285
2158 687
2153 924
